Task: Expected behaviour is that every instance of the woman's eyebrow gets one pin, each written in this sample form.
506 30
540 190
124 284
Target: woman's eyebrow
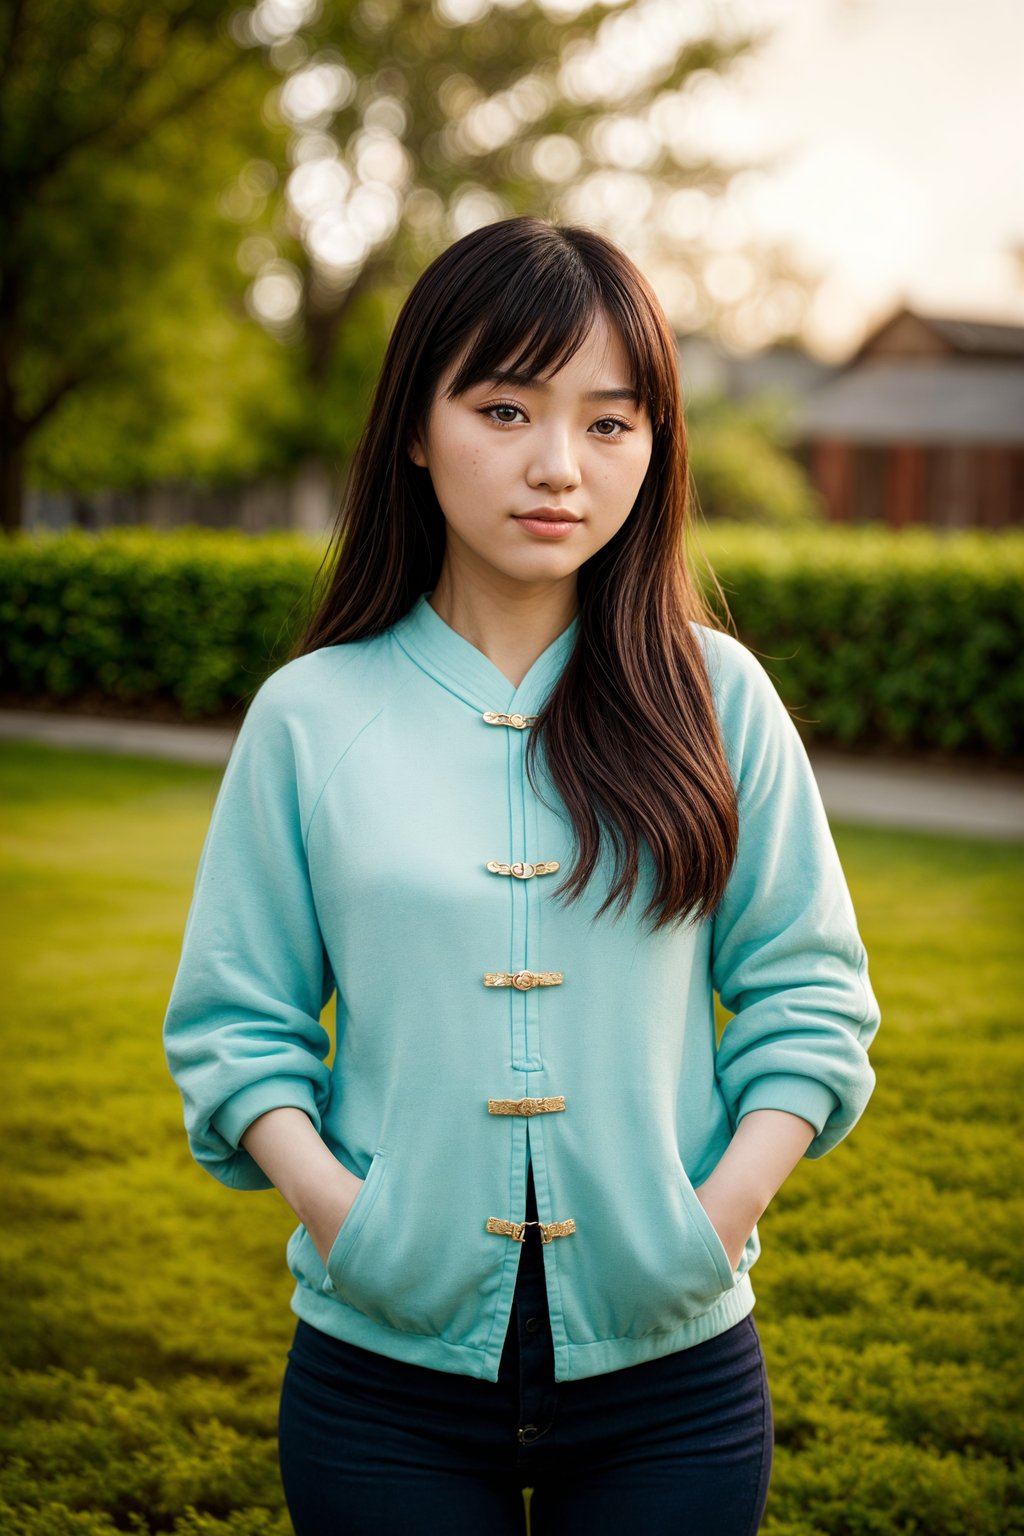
520 381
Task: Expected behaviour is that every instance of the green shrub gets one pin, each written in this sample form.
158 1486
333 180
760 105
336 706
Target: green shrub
910 639
137 1455
193 620
742 466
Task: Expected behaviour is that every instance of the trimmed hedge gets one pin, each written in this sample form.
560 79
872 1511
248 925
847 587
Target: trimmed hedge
184 624
909 639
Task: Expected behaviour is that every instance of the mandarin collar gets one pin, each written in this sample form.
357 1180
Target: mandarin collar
464 670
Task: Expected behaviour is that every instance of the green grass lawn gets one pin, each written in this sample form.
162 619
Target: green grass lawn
146 1319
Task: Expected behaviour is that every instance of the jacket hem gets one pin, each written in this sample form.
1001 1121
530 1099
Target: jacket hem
573 1362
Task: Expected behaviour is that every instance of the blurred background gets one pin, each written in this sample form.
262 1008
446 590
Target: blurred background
211 215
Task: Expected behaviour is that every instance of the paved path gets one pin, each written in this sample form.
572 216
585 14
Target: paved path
981 801
140 738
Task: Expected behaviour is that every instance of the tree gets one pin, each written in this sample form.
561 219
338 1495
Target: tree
410 123
119 119
175 172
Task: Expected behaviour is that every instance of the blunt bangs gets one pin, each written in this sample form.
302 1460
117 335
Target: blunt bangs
538 320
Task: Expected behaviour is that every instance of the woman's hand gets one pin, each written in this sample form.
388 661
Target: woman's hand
326 1209
765 1148
732 1217
319 1189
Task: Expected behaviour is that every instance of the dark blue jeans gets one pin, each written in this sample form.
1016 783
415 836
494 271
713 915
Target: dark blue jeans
371 1446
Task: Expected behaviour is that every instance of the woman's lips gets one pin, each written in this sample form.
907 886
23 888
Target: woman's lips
548 528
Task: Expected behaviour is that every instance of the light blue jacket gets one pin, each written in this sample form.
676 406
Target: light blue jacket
361 840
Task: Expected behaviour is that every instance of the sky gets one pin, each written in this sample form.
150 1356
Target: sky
895 129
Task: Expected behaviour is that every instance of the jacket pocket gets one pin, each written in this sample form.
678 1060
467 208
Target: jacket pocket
726 1273
647 1258
413 1254
359 1211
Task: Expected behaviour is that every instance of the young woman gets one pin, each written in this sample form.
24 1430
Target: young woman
526 808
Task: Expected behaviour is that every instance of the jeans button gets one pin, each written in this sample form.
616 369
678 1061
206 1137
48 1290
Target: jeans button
527 1433
532 1324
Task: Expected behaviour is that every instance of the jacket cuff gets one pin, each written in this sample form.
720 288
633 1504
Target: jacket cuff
804 1096
236 1114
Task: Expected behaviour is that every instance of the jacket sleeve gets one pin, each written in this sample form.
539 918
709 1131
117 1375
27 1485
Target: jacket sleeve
787 957
242 1031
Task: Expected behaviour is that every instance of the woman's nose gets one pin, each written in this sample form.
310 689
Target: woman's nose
555 462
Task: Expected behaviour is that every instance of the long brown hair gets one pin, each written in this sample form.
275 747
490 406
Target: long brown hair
629 731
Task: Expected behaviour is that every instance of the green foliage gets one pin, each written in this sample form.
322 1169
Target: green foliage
193 620
907 639
129 347
143 1453
741 468
143 171
910 639
146 1323
201 394
327 414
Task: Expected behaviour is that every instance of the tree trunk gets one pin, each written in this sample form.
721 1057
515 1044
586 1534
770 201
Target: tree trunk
12 478
322 326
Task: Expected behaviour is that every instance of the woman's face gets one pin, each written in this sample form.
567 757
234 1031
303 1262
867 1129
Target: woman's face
505 449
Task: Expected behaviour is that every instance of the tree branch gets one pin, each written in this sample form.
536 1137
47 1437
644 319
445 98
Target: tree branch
131 135
14 32
71 380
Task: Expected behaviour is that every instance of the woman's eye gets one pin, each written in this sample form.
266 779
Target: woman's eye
506 405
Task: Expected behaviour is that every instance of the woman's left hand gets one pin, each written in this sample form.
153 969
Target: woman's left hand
732 1217
766 1146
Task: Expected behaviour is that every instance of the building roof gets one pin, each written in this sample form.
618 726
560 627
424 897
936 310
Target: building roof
913 333
979 338
954 399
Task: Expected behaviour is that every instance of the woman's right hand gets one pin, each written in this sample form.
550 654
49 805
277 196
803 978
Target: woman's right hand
325 1212
320 1190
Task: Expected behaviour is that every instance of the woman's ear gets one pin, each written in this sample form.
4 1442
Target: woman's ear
416 453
